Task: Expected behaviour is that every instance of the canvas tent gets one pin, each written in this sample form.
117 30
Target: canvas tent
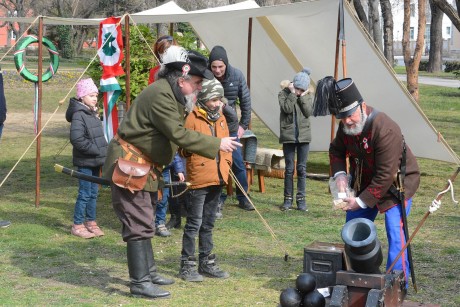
286 38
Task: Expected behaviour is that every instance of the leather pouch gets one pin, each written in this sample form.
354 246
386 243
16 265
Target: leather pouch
131 175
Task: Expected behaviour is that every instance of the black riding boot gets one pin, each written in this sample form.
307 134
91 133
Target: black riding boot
141 283
156 278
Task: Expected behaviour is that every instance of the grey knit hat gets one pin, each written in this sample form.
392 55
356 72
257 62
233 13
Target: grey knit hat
210 89
302 79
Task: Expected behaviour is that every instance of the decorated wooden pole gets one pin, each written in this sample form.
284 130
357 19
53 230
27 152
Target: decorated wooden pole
127 63
38 80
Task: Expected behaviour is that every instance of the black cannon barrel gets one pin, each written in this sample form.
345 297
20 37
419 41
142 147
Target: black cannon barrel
362 246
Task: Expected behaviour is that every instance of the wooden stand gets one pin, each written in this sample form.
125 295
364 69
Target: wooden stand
368 290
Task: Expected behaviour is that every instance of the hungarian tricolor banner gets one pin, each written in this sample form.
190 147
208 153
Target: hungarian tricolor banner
110 51
111 91
110 47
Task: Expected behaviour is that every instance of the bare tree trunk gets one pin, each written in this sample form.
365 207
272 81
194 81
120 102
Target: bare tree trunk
435 59
361 14
446 8
374 23
413 63
387 31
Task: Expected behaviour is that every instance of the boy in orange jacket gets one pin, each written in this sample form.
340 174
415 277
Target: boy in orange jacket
207 177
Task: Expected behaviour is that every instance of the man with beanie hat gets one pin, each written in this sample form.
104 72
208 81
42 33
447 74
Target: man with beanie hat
148 138
235 88
379 160
296 102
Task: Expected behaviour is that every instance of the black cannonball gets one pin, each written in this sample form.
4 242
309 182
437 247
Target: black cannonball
314 299
290 297
305 283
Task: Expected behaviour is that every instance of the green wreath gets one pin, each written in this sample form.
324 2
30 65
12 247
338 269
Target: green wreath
19 58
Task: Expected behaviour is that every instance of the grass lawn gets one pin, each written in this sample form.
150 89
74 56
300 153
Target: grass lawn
42 264
442 74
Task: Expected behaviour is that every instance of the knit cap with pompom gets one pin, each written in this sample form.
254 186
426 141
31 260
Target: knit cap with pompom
302 79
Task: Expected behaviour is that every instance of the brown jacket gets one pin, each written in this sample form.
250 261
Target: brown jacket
382 148
202 171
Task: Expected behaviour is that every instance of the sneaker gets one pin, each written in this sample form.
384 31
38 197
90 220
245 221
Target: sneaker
92 227
188 270
209 267
81 231
219 214
162 231
4 224
246 205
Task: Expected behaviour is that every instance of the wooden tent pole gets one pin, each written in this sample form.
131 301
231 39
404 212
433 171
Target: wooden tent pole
339 38
249 170
248 67
127 63
39 111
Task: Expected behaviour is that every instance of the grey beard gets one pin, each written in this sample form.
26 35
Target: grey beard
189 102
358 128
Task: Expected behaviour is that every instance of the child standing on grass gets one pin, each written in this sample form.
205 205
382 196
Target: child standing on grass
89 152
207 177
296 102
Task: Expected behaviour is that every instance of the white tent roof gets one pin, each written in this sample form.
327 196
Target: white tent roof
288 37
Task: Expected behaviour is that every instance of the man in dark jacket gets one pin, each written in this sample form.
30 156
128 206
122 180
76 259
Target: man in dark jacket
378 155
235 88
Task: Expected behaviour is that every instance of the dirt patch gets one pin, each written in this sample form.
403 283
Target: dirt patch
24 123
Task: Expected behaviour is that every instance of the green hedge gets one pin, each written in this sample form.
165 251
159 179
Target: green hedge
452 66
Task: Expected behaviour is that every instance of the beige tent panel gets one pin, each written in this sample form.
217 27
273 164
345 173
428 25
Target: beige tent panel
288 37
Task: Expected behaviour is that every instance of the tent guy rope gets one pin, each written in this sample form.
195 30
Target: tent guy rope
55 111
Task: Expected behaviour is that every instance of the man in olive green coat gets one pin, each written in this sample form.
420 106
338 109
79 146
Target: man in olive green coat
153 127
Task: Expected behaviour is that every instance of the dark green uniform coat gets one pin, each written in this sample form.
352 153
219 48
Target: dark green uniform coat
154 124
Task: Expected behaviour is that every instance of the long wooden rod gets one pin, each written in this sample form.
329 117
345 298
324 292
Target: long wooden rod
39 111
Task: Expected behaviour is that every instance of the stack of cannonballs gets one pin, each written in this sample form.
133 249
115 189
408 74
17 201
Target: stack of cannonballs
304 294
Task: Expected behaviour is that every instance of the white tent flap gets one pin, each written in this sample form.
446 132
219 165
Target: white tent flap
286 38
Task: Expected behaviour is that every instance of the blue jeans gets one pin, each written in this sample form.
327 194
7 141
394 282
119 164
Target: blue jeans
1 130
201 208
239 169
395 233
289 150
85 207
162 205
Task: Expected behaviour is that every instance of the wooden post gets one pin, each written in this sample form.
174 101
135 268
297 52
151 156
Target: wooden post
127 63
39 111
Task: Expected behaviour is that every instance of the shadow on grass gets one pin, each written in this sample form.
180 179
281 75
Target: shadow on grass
74 264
